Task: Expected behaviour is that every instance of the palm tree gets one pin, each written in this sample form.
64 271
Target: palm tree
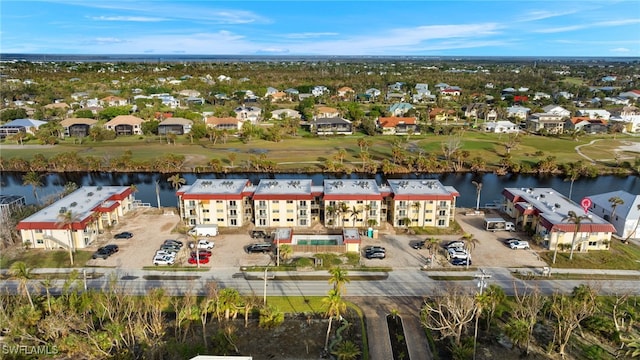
20 271
65 221
335 307
470 243
176 181
614 201
343 209
338 279
478 186
572 175
330 212
355 211
574 218
32 179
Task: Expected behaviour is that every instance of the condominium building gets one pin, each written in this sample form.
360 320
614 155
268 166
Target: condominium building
353 203
226 203
76 220
285 203
421 203
546 212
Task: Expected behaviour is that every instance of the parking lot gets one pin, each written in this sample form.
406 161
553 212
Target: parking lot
151 228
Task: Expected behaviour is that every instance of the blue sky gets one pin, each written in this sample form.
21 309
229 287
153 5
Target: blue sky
299 27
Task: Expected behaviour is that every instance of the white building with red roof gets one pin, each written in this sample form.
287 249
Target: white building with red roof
353 203
286 203
76 220
545 212
223 202
421 203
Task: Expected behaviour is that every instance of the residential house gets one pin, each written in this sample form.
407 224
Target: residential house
488 114
630 117
421 203
450 92
397 86
594 113
279 96
545 212
29 126
441 115
270 91
500 127
400 109
472 111
634 95
541 95
285 113
331 126
395 97
617 100
285 203
557 109
194 100
586 124
225 123
125 125
78 127
325 112
565 94
398 125
223 202
545 123
345 92
167 100
189 93
624 217
248 113
319 90
113 101
76 220
373 92
518 112
422 93
175 125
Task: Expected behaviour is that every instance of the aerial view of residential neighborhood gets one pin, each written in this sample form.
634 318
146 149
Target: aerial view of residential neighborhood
229 180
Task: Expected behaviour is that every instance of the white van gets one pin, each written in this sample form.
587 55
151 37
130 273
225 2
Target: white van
204 230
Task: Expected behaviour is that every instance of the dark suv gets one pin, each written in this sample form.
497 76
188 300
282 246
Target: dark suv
259 248
258 234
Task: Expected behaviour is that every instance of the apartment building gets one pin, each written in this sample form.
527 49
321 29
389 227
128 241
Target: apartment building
76 220
226 203
421 203
285 203
353 203
546 212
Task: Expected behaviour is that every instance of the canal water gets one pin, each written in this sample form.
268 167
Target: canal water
492 184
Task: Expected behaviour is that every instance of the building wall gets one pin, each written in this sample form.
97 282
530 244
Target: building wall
282 213
423 213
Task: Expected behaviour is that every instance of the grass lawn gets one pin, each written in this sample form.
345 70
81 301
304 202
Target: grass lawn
619 257
35 258
309 153
297 304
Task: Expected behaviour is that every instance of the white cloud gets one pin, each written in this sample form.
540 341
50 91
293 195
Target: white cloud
543 14
127 18
108 40
620 50
309 35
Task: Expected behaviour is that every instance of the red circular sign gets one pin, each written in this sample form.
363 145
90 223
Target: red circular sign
586 203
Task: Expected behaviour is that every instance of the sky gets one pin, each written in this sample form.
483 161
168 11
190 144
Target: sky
546 28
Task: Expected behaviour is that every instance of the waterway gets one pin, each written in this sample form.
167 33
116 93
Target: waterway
492 185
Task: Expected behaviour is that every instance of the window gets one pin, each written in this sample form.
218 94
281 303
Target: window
442 213
39 241
205 211
443 203
289 201
220 220
262 222
332 203
219 201
233 212
290 211
441 222
289 220
233 222
219 210
275 201
402 213
192 221
38 231
359 202
276 219
232 203
303 222
428 212
206 220
192 203
262 203
303 203
276 211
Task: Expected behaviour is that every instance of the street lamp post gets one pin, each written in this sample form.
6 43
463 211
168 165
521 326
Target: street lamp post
555 250
264 294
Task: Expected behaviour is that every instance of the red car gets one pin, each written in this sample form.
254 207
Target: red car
202 253
202 260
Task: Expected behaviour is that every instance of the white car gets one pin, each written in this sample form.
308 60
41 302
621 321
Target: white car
161 253
519 245
454 245
205 244
164 260
457 254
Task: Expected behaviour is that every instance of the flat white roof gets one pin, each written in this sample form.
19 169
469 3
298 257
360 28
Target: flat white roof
216 186
423 187
80 202
284 186
351 187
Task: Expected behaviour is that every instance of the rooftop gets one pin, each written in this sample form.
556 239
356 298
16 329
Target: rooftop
215 186
351 187
288 187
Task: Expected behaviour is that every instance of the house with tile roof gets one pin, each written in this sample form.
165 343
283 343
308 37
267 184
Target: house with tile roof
125 125
175 125
223 123
285 113
78 127
518 112
29 126
545 212
331 126
545 123
500 127
626 216
594 113
556 109
587 124
398 125
632 94
400 109
113 101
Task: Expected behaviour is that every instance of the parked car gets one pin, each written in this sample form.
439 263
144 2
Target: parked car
258 234
205 244
196 260
418 244
454 244
457 253
202 253
164 260
170 248
373 248
173 242
123 235
375 255
105 251
510 240
519 245
460 262
165 253
259 248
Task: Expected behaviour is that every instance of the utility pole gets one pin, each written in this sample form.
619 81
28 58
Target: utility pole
482 283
